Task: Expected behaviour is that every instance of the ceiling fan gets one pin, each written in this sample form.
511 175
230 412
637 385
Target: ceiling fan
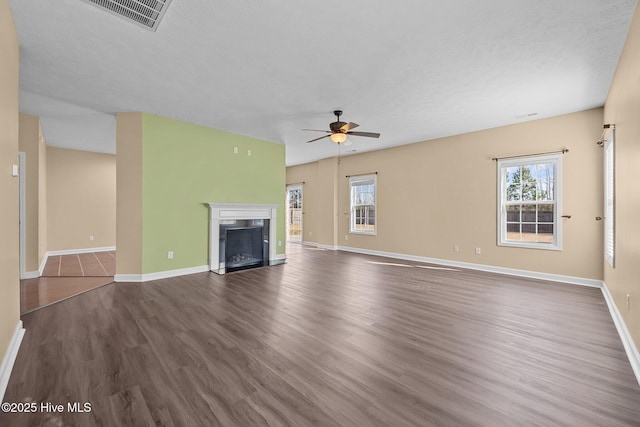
340 130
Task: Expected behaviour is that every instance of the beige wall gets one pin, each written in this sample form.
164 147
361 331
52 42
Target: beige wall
81 199
320 200
129 193
31 142
623 109
434 194
307 176
9 262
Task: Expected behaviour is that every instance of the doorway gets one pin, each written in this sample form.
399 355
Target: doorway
22 173
294 213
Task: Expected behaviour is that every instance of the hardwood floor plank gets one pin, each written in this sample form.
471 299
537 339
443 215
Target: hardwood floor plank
70 266
129 408
52 266
107 260
330 339
91 266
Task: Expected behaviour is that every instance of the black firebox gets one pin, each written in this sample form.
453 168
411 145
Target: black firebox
244 244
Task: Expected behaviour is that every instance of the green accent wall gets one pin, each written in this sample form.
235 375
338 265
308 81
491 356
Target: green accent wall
185 166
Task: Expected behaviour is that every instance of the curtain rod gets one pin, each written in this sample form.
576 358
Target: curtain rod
362 174
296 183
607 126
564 150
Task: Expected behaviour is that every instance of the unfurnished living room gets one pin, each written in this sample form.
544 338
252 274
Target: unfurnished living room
319 213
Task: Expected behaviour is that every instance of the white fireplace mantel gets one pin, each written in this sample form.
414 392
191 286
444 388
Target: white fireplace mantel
238 211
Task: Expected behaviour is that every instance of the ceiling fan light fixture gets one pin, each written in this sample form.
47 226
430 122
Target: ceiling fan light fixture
338 138
340 130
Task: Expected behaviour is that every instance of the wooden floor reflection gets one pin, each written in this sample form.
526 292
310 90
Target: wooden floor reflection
43 291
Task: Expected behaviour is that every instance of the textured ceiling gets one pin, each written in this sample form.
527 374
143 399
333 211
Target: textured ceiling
412 70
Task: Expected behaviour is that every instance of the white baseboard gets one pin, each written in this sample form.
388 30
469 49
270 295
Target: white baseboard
481 267
32 275
10 358
320 245
629 346
81 251
160 274
38 273
43 264
278 259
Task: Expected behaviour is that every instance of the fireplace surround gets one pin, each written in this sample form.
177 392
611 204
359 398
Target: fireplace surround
245 226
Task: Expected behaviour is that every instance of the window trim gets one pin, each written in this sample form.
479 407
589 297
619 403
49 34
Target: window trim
503 164
610 200
357 178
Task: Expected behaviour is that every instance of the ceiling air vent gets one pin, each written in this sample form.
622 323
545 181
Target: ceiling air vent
146 13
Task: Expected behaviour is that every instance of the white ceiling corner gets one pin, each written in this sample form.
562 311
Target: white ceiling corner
411 70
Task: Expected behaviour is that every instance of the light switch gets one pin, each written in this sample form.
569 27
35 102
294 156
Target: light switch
14 170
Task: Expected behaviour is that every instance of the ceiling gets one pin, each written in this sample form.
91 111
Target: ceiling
412 70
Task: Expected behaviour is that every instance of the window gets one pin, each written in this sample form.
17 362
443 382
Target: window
609 212
529 202
363 204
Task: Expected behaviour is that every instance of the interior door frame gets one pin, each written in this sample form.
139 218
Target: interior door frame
22 173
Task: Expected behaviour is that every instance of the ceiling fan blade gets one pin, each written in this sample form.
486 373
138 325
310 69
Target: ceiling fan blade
367 134
313 140
349 126
318 130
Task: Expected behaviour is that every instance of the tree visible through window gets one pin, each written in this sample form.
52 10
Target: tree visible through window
294 213
363 204
529 202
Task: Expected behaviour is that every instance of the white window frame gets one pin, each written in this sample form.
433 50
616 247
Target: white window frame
609 201
503 165
352 209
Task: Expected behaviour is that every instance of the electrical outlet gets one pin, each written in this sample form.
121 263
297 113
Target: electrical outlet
91 238
456 248
248 152
279 242
478 251
235 150
170 255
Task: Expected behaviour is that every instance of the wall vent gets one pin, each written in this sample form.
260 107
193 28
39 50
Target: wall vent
146 13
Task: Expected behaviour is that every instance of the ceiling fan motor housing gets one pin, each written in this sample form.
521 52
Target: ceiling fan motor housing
335 126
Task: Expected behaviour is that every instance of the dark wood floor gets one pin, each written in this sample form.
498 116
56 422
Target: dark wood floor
331 338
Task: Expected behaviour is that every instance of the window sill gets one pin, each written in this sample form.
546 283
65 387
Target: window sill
542 246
